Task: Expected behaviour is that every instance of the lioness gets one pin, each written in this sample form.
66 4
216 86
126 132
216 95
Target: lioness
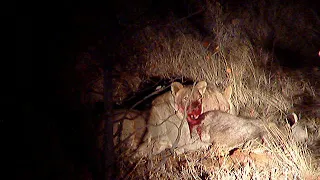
199 99
174 114
129 127
166 125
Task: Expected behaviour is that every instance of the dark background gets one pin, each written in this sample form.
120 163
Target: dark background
46 138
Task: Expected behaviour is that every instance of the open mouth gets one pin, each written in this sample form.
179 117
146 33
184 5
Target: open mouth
193 115
193 118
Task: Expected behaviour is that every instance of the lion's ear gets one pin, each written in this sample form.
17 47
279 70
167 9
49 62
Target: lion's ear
228 92
175 87
202 86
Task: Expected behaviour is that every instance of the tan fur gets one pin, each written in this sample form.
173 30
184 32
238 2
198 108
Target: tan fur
223 130
163 128
163 121
227 131
129 127
212 99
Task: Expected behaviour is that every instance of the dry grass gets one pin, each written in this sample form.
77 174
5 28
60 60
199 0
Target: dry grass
279 158
260 90
257 91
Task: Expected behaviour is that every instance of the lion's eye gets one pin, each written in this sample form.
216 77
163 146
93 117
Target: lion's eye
185 98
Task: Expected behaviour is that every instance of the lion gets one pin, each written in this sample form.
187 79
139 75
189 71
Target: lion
166 125
200 99
170 122
174 114
129 127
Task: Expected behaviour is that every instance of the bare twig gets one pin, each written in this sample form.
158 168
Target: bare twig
175 144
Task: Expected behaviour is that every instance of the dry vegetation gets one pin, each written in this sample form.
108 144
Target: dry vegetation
279 159
262 89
